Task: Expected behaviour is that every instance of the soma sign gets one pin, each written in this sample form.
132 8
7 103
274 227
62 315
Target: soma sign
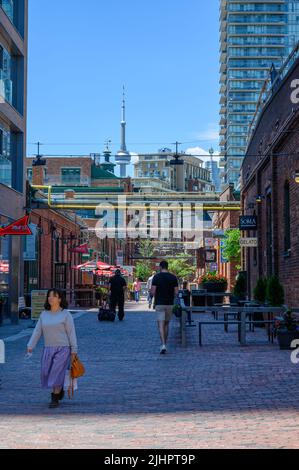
248 222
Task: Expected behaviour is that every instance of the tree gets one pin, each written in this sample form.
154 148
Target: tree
180 267
231 247
143 271
146 248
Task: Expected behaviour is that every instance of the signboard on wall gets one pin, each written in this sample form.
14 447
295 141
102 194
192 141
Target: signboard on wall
38 298
248 242
248 222
211 256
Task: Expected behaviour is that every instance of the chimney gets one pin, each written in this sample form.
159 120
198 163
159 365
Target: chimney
37 176
38 171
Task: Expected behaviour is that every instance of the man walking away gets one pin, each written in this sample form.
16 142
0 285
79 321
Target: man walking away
164 289
117 287
149 288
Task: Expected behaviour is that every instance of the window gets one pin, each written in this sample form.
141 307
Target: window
8 7
287 217
29 174
70 175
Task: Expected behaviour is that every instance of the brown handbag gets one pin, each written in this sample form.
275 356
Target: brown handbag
77 368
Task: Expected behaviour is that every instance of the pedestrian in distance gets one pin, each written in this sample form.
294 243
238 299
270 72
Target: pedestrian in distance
117 288
149 288
137 289
57 327
164 289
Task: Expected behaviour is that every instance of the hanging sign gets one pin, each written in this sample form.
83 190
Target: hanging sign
19 227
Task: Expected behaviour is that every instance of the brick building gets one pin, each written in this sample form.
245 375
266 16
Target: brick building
224 220
269 187
52 261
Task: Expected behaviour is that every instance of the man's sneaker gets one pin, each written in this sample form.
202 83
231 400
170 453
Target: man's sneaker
163 349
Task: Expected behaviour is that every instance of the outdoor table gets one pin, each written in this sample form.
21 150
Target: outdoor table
206 295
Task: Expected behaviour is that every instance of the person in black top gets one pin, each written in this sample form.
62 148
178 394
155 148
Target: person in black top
117 287
164 289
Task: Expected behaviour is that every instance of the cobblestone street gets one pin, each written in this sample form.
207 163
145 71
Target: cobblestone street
218 396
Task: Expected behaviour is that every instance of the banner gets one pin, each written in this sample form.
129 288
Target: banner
19 227
83 249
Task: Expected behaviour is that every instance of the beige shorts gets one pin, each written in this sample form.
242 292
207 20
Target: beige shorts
164 312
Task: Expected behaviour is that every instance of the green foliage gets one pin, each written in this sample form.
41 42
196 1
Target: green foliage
274 292
143 271
146 248
240 287
231 247
212 276
181 268
259 292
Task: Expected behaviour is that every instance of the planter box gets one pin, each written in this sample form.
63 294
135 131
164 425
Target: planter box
285 338
214 286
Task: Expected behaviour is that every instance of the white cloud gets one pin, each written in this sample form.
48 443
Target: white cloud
211 133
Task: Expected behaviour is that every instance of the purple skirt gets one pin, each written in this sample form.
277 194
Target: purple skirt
55 362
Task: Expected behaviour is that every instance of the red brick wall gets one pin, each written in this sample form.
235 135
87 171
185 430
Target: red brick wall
276 139
64 228
226 220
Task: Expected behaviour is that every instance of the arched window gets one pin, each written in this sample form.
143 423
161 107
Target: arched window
287 217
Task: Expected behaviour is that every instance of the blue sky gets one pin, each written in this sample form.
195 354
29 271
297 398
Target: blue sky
165 52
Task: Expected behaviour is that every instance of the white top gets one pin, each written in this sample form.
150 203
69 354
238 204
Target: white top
57 328
149 282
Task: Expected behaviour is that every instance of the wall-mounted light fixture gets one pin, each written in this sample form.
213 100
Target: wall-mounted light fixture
296 176
259 199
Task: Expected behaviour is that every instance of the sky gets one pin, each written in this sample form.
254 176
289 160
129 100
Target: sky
165 53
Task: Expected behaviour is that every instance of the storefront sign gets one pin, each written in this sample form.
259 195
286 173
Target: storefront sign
210 242
38 299
211 256
248 222
19 227
248 242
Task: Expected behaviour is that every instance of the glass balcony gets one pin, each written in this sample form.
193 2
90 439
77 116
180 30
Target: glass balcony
8 7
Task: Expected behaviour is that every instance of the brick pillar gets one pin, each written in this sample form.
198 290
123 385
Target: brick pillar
37 175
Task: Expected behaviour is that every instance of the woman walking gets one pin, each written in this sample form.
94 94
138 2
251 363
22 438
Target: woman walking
56 325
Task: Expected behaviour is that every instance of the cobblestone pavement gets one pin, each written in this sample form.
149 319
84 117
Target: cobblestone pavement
218 396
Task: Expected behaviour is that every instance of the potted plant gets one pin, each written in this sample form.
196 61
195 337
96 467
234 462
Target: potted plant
274 292
240 287
213 282
286 329
259 292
